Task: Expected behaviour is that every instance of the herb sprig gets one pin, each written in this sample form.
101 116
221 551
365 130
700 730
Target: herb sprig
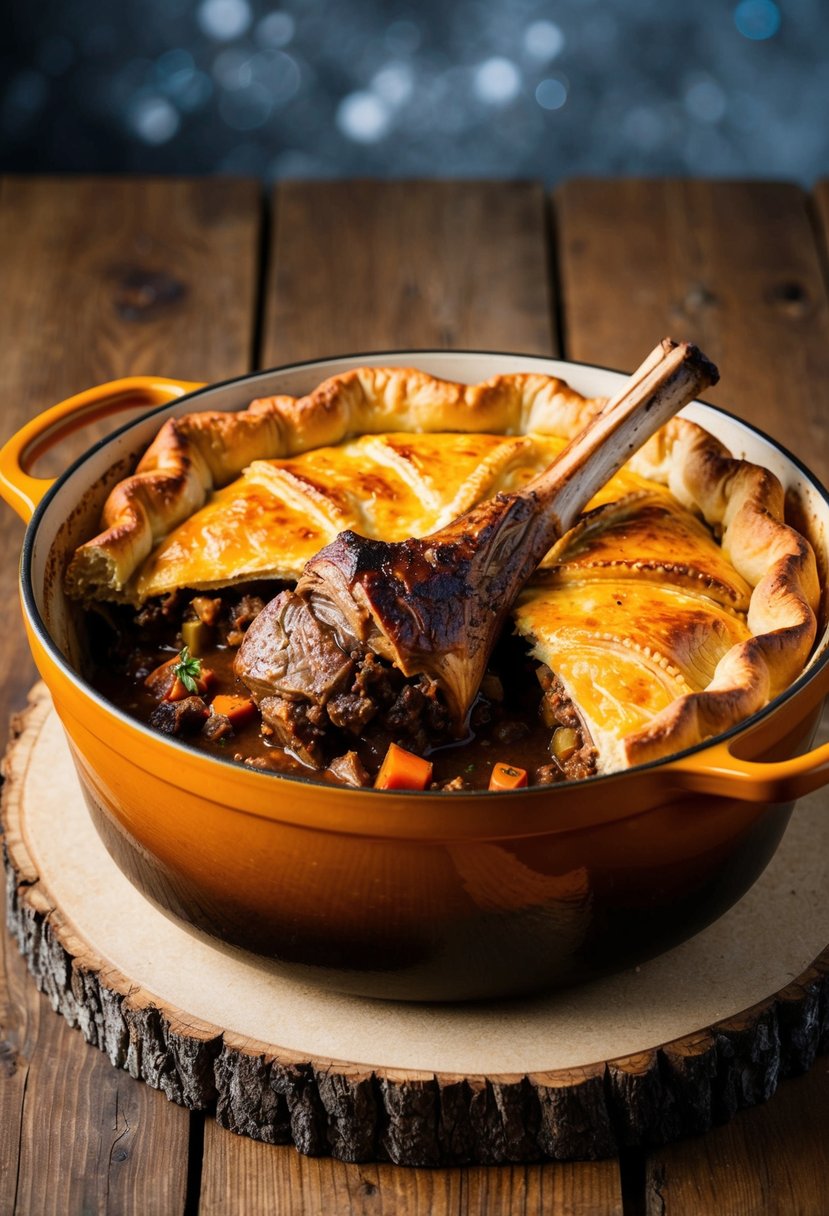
188 669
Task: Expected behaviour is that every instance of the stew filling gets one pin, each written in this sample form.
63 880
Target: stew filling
170 665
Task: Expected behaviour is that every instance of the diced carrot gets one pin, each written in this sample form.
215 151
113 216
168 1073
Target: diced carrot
177 690
160 678
507 777
238 709
402 770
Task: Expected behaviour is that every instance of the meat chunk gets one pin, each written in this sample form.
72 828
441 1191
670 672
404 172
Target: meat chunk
349 769
297 726
548 774
207 608
351 711
451 784
242 615
286 648
184 717
217 727
322 686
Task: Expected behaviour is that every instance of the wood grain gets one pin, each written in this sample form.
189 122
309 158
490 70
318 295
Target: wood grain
109 277
362 266
102 278
773 1161
732 266
736 268
76 1134
278 1182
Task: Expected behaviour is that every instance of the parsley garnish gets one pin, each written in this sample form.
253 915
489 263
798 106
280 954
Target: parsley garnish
188 669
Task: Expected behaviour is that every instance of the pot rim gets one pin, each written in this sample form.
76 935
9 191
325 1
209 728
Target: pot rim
815 667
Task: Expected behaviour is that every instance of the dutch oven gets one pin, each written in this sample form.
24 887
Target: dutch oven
410 895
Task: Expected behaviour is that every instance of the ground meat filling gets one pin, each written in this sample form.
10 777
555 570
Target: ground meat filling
574 756
411 713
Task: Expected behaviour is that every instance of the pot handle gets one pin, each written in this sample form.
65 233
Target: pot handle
717 771
17 486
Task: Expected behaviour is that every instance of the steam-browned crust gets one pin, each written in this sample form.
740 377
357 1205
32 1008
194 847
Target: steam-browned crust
197 453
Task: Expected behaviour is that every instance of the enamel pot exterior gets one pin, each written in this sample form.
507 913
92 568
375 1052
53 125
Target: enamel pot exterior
406 895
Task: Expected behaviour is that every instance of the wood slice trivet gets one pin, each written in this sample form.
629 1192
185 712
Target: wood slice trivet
660 1051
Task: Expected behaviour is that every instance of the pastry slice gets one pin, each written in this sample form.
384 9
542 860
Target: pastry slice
658 635
625 650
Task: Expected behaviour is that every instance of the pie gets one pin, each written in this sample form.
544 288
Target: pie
679 604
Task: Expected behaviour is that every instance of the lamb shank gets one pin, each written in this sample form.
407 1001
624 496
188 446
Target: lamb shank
406 629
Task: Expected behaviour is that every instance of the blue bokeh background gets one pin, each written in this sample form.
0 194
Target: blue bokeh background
491 88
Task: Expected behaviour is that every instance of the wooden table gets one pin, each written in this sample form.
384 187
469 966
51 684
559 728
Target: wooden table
205 279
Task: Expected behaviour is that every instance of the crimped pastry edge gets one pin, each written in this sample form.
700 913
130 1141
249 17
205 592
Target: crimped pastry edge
745 502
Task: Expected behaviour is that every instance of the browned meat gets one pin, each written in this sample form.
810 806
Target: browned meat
158 611
288 651
456 783
556 707
580 764
405 714
344 691
207 608
183 717
217 727
242 616
548 774
434 606
351 711
349 770
298 726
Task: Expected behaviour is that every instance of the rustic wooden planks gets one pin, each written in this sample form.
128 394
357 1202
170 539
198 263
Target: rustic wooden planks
277 1182
735 267
110 277
359 266
102 278
731 265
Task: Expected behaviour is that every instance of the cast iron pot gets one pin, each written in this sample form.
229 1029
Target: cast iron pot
420 896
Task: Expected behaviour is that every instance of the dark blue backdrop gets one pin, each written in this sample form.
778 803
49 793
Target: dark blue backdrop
477 87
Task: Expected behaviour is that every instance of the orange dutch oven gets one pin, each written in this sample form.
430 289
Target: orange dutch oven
424 896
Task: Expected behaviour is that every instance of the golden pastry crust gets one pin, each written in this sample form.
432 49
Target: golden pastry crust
764 575
746 503
197 453
270 521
